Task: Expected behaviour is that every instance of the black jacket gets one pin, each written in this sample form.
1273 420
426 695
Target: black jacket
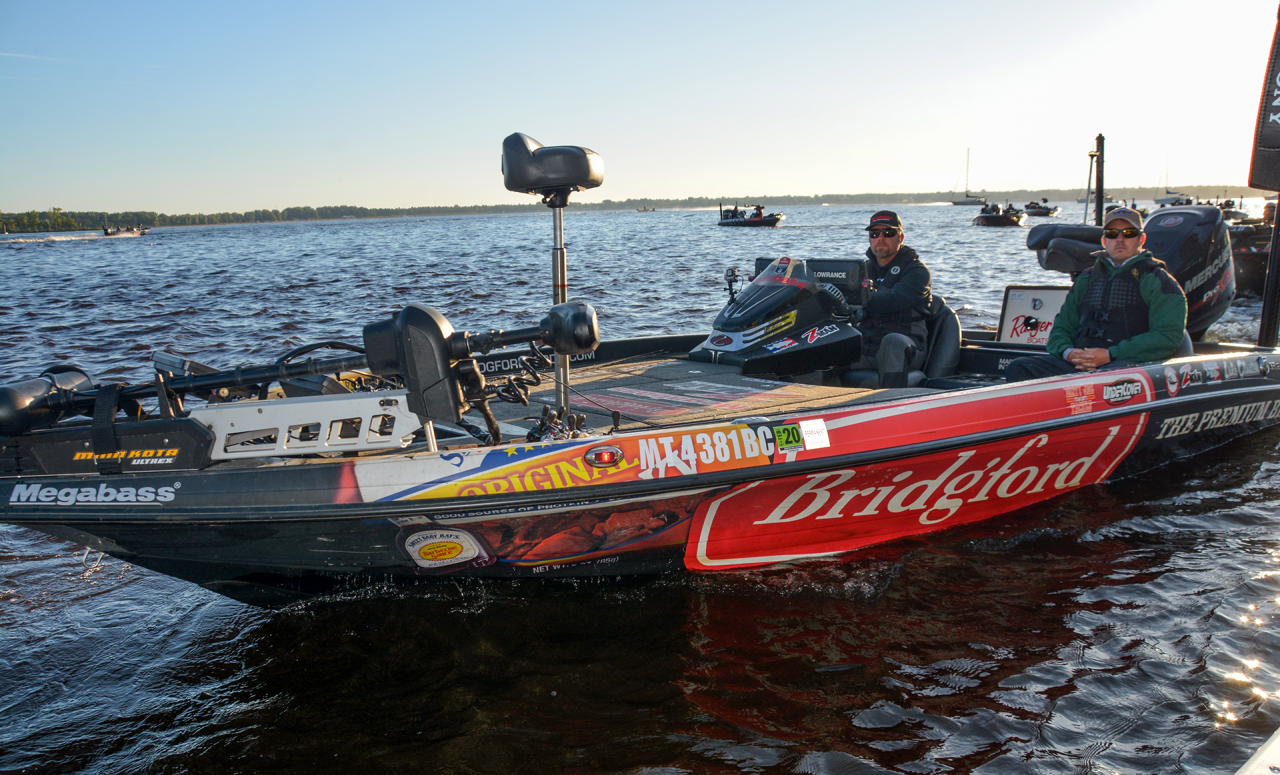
899 299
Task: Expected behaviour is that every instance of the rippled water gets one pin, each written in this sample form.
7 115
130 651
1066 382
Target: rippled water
1129 627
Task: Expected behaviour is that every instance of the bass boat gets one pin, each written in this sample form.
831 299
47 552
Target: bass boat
1042 209
1000 215
749 445
736 217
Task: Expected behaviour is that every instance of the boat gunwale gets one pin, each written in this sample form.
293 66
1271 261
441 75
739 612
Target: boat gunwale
596 496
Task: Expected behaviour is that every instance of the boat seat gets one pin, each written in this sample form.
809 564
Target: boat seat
1185 348
941 358
530 168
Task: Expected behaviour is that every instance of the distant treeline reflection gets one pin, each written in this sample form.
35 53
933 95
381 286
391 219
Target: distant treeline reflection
55 219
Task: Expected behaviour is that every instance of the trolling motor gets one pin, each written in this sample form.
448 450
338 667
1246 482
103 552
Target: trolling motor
442 379
43 401
418 345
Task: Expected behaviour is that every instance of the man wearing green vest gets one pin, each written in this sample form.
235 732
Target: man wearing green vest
1126 309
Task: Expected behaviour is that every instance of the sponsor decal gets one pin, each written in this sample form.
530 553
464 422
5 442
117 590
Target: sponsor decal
1037 334
441 548
1209 271
721 340
1172 220
1196 422
1231 369
1218 289
838 511
1079 398
814 433
1172 382
780 323
505 365
1037 303
1189 374
780 345
544 467
815 333
1211 371
136 455
38 495
1120 391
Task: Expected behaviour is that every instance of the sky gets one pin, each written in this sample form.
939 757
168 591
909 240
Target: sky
235 106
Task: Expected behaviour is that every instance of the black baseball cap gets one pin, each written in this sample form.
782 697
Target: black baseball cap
885 218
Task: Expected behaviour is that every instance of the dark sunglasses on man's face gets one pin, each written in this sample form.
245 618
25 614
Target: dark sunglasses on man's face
1128 233
873 233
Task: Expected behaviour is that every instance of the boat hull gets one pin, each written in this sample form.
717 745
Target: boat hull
721 496
987 219
768 221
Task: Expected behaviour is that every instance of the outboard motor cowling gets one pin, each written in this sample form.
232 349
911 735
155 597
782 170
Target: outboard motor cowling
1195 244
787 321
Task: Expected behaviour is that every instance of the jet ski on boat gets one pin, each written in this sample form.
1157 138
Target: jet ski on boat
750 445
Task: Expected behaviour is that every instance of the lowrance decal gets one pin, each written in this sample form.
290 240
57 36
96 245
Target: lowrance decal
42 495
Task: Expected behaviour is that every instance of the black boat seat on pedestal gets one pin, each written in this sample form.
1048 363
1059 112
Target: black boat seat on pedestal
940 360
529 168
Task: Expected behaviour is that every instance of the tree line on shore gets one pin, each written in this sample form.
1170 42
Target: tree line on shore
56 219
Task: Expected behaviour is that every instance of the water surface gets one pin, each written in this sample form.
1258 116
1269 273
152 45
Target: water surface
1128 627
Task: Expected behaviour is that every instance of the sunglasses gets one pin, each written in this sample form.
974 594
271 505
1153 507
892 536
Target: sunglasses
1128 233
873 233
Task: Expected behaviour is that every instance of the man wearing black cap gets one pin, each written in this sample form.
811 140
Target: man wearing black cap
1126 309
899 295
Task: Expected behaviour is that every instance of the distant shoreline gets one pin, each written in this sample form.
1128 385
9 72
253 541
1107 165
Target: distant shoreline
56 220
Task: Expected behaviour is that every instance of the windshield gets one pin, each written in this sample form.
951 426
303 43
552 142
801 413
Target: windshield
778 289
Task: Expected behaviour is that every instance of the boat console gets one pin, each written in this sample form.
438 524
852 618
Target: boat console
793 318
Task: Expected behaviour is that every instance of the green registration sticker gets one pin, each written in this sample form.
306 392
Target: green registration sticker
788 437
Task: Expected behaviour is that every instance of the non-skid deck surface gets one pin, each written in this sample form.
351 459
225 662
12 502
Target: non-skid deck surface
674 390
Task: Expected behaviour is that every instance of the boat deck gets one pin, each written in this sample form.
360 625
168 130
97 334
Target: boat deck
673 390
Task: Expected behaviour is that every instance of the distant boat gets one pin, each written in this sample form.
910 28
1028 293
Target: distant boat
1173 198
646 209
1000 215
737 217
969 199
1042 209
1106 198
